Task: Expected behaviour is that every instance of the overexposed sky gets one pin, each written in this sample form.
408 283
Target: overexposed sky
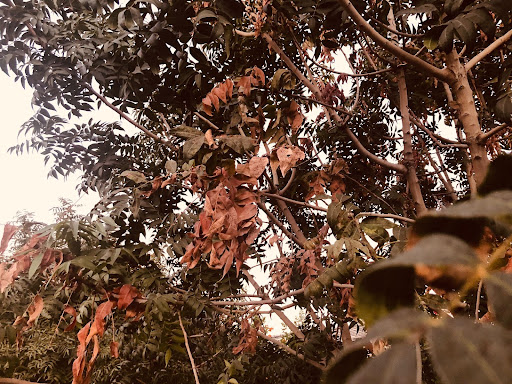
24 184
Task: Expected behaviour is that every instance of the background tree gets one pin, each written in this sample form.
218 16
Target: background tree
227 177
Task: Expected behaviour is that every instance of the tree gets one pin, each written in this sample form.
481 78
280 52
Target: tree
227 177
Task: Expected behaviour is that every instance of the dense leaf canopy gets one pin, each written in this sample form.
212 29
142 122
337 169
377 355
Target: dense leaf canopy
286 154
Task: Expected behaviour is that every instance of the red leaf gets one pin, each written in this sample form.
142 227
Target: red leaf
127 294
69 309
9 231
35 310
114 349
98 326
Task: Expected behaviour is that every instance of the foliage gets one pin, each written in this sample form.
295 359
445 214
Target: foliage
256 158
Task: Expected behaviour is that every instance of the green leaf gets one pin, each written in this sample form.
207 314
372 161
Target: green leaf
137 177
498 286
396 365
186 132
400 324
35 265
376 228
338 272
192 146
84 262
238 143
168 355
469 353
389 284
341 368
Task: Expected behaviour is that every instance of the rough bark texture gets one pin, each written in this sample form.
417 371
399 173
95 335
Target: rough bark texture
468 117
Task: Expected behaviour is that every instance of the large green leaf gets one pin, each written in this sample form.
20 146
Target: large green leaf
192 146
498 286
390 284
469 353
376 228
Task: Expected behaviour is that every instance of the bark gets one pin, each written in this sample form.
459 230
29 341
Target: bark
468 117
412 178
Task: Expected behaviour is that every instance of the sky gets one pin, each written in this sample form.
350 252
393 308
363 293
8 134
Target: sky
24 184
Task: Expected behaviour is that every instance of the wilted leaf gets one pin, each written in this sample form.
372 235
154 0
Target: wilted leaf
192 146
35 310
254 168
114 349
69 309
288 156
469 353
171 166
127 294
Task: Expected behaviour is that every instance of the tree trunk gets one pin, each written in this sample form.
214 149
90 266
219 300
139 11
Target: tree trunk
468 116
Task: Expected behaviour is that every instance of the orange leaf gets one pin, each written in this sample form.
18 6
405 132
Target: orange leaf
258 75
98 326
288 156
9 231
127 294
114 349
244 85
69 309
229 88
220 92
35 310
254 168
215 101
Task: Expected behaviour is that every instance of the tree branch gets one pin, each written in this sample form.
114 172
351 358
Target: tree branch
194 368
276 221
435 137
128 118
483 137
290 350
260 302
423 66
4 380
488 50
296 331
302 204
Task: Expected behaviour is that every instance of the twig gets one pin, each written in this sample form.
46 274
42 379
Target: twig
207 121
4 380
194 368
392 30
488 50
436 138
277 222
369 74
290 350
261 302
296 331
477 307
290 181
303 204
128 118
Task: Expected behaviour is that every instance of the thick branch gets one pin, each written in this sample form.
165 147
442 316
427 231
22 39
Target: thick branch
412 178
421 65
260 302
483 137
290 350
488 50
16 381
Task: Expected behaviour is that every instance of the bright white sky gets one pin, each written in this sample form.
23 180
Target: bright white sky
24 184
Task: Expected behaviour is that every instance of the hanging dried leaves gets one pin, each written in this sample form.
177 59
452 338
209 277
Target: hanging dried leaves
295 116
35 310
229 223
248 339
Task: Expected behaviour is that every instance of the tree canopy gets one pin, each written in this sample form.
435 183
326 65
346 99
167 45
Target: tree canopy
345 158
